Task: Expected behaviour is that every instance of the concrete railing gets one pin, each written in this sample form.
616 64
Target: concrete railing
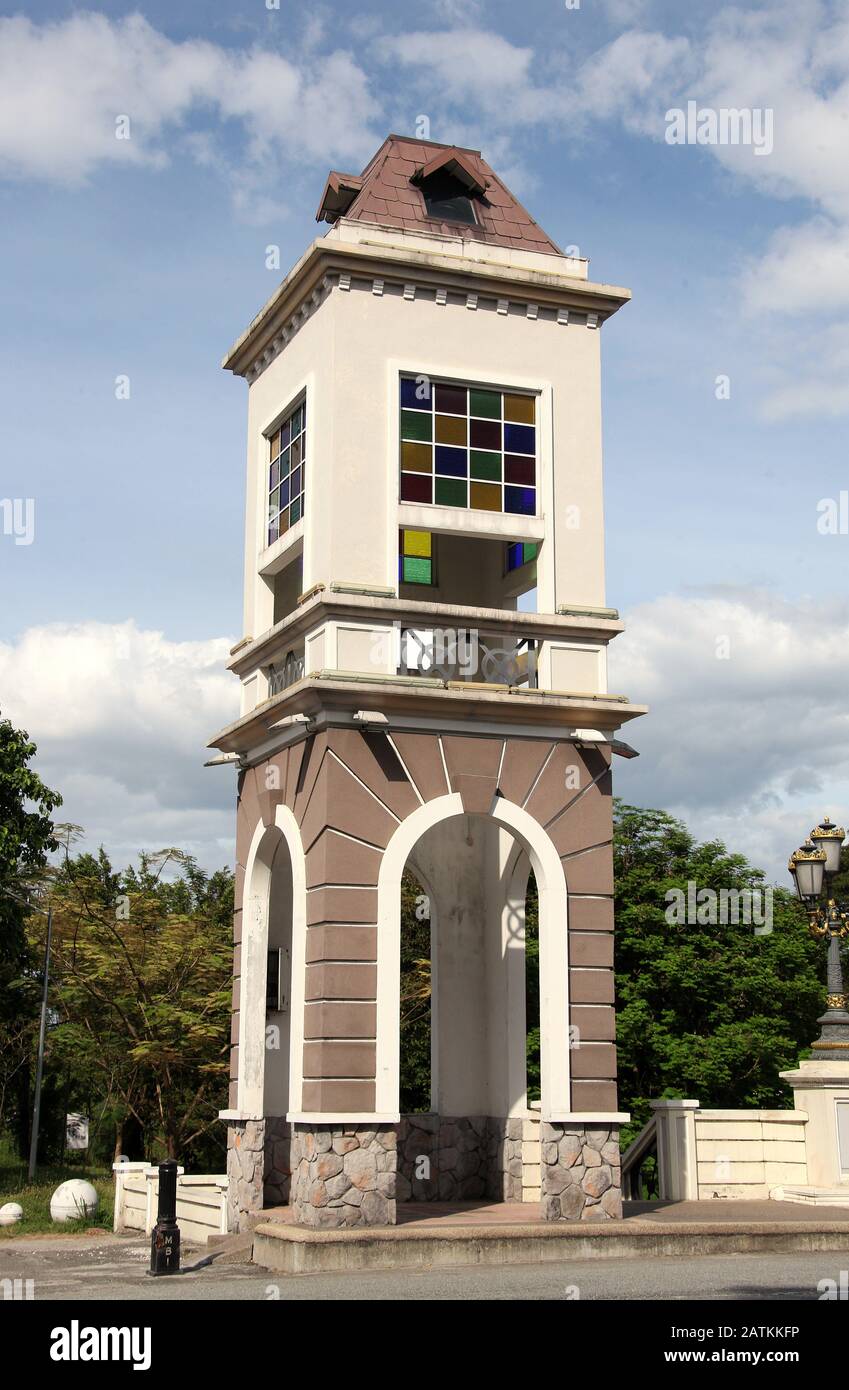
727 1153
201 1201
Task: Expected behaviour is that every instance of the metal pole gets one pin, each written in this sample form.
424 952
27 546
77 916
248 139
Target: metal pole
42 1033
165 1237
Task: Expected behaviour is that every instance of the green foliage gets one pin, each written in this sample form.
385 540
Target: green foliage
26 838
709 1012
141 997
415 998
532 988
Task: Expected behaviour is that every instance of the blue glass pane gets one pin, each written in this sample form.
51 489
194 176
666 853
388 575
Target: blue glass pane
514 556
416 393
521 500
519 439
451 462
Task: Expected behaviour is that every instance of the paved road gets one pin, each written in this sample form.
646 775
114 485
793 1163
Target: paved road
82 1270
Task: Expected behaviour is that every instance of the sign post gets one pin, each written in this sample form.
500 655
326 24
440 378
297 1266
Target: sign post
165 1236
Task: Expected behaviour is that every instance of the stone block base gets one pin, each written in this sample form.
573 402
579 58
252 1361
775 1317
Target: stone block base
245 1165
581 1174
343 1176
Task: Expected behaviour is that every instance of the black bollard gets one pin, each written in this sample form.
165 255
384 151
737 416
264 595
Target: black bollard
165 1236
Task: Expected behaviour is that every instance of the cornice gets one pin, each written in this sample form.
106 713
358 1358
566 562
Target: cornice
440 275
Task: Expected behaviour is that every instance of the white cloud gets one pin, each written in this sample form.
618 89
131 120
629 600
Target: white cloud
752 749
63 84
468 68
121 718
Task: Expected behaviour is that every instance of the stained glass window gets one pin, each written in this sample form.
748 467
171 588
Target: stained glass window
520 553
468 446
415 557
286 466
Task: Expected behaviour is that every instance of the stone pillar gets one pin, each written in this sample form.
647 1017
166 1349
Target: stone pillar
245 1164
581 1175
505 1153
343 1176
821 1090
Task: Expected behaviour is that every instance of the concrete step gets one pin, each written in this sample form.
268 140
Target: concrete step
297 1250
231 1249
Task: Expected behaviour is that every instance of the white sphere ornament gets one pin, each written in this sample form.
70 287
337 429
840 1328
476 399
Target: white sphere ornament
11 1213
73 1199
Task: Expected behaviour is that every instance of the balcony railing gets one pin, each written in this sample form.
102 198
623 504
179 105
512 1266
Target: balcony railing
465 654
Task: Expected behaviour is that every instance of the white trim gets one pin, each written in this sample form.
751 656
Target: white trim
553 933
286 823
254 944
589 1117
555 1080
395 856
347 1117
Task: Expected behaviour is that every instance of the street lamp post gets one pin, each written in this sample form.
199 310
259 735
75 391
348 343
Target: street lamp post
813 867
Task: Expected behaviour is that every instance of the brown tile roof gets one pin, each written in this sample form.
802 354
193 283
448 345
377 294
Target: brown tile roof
388 192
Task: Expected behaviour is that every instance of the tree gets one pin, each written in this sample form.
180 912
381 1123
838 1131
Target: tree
26 838
708 1011
415 1021
142 994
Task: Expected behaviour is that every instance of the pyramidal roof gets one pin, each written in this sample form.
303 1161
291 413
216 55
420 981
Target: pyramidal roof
391 192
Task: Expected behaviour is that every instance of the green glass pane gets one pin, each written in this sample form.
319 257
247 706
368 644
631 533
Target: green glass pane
486 466
415 424
296 510
451 492
416 570
486 403
530 550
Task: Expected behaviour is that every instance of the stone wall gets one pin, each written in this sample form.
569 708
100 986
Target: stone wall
581 1176
343 1176
441 1159
245 1165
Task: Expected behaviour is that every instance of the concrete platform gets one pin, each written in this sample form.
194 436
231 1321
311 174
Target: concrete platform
434 1235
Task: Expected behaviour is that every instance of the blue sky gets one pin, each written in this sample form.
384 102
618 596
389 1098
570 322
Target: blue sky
146 257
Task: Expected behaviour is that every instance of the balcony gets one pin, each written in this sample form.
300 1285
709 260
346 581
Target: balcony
353 648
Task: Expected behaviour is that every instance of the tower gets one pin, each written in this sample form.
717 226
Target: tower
423 678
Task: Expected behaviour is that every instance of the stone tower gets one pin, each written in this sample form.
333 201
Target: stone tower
423 678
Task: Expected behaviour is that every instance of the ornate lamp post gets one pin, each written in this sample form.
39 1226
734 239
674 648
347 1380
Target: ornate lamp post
813 868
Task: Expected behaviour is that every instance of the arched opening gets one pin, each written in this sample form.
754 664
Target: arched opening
272 993
469 989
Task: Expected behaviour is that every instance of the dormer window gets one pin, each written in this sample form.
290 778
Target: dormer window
448 200
450 185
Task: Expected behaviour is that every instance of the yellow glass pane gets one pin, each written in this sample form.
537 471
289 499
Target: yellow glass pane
519 409
418 543
274 442
416 458
450 429
486 497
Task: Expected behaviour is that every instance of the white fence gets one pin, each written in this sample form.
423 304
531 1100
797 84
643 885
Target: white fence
201 1201
727 1153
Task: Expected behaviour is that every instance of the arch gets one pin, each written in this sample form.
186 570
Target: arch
553 948
267 842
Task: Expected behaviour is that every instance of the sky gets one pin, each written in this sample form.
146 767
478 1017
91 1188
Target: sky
129 265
